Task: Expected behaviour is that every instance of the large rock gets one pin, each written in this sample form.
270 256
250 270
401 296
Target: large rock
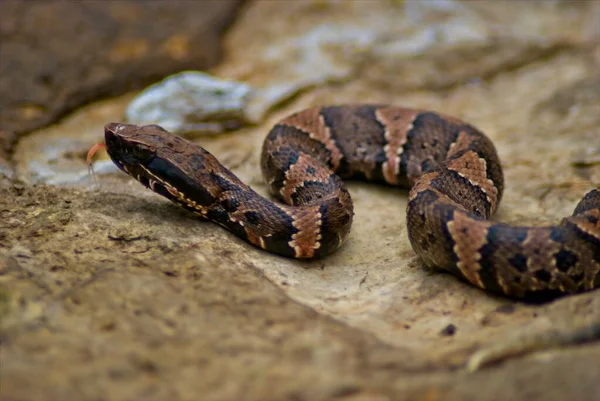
61 54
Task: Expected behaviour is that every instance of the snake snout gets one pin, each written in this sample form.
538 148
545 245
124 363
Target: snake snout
113 128
120 130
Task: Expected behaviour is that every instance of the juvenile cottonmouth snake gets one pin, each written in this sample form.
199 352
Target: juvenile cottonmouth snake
452 169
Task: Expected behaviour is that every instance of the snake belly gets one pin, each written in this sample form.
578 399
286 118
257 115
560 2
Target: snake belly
451 168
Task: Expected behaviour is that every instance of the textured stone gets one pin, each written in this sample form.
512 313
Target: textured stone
113 292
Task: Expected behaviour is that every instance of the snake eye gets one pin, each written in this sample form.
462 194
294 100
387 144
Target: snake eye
142 153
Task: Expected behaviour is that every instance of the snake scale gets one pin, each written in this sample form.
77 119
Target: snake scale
451 168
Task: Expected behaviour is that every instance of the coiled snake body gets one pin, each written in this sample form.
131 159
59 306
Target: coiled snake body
452 169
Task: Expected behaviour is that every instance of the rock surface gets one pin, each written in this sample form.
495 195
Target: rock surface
61 54
113 293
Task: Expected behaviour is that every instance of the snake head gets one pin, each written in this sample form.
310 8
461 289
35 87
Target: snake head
133 148
129 145
154 157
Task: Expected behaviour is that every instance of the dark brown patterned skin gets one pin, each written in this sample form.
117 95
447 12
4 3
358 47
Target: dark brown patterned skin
452 169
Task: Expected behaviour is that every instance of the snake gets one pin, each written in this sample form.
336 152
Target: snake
452 171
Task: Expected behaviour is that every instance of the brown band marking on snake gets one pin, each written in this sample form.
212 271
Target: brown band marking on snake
451 167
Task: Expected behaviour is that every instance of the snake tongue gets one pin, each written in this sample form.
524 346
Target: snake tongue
93 151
